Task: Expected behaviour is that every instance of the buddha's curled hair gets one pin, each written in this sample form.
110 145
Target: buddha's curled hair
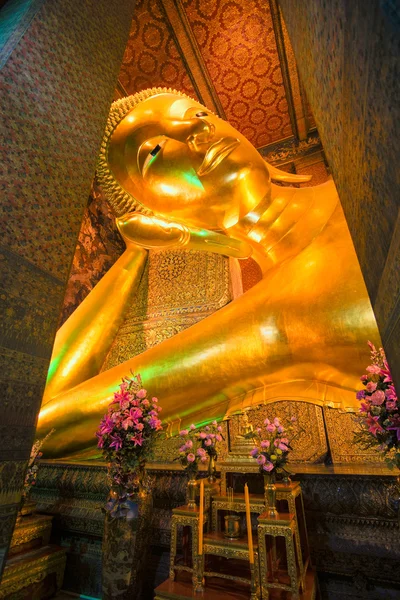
120 201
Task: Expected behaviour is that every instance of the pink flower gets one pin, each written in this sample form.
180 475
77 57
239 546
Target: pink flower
159 408
277 422
145 403
182 448
293 419
378 398
207 428
284 440
219 428
364 378
100 441
137 439
106 425
208 442
189 444
261 459
258 430
183 432
135 414
203 458
153 413
374 369
254 452
371 386
280 429
271 428
139 426
191 457
202 435
192 427
201 452
154 400
155 423
215 423
268 466
374 426
364 407
141 394
267 422
277 442
218 437
265 444
283 447
391 404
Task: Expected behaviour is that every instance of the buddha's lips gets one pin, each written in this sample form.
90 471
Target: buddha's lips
216 153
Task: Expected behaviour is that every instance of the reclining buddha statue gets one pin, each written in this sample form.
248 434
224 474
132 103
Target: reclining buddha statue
181 178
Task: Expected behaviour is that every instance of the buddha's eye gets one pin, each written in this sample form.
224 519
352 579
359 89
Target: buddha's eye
152 155
202 114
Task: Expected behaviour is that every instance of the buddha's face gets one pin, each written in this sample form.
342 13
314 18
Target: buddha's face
180 161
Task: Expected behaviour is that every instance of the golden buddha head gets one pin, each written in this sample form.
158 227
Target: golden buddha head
166 154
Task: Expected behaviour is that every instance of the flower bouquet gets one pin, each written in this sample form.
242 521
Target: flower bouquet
209 439
31 473
190 454
126 436
271 453
379 414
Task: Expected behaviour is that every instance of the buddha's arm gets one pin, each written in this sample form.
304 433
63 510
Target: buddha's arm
154 232
83 341
307 321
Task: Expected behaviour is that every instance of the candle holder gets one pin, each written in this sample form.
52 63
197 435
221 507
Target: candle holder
232 527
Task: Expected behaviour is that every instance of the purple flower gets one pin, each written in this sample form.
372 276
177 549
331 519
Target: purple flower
280 429
360 394
106 425
254 452
155 423
182 448
116 442
100 440
268 466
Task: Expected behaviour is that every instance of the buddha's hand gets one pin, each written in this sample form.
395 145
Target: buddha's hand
160 232
152 232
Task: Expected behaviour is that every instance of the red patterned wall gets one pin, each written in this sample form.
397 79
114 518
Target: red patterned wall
151 57
238 45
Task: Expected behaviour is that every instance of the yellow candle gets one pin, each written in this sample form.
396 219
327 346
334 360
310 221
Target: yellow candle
201 513
248 524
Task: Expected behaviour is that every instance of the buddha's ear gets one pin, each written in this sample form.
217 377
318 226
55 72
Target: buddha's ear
282 176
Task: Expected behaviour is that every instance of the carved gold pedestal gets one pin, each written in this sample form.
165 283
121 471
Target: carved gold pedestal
283 525
185 517
216 544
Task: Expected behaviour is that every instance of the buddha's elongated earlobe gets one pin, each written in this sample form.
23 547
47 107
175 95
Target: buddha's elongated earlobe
282 176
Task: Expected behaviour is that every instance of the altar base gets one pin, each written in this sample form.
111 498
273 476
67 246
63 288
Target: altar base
217 589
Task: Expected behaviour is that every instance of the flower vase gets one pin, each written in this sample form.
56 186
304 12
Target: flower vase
270 495
211 470
191 491
125 550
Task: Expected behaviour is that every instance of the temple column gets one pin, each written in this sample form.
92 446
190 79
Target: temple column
59 68
348 58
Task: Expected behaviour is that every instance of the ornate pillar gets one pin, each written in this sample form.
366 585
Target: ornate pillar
60 66
348 58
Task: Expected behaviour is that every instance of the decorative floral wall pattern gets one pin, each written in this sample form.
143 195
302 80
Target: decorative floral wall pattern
98 247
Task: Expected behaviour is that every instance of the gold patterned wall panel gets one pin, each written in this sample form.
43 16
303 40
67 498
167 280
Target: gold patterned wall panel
340 427
310 445
178 289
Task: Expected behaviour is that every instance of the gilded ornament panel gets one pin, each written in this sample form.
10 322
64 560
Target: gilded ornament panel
340 427
178 289
310 443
